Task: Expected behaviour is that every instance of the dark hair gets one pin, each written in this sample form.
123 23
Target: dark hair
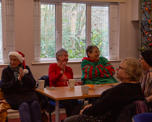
147 56
90 49
59 52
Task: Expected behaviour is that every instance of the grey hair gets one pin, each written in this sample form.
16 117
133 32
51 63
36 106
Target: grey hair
133 68
90 49
59 52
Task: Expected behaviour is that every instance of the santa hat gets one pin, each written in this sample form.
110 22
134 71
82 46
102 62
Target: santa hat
20 56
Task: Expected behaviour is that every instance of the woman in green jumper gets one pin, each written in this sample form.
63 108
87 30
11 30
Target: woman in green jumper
96 69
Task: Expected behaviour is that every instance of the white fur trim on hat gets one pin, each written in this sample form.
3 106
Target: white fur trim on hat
18 56
25 71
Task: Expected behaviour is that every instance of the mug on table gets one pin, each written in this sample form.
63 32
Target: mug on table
71 83
41 84
84 89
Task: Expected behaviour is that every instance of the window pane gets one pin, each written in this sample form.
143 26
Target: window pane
47 31
0 33
100 28
73 29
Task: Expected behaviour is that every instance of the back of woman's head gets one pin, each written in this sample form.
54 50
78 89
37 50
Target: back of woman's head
133 69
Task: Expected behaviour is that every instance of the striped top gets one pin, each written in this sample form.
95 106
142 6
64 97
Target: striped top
97 72
146 84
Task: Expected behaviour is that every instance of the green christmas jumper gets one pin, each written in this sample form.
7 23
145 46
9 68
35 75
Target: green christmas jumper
97 72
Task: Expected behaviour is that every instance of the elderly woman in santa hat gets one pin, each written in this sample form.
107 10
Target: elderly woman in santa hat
18 87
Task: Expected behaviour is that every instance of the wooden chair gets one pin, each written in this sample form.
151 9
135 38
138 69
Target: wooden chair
4 106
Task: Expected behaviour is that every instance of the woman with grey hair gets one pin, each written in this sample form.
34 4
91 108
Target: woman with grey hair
96 69
59 74
108 107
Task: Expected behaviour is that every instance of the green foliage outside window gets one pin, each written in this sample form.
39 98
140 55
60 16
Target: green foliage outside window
73 30
47 31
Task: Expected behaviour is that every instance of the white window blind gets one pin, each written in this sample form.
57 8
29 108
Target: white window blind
7 27
0 32
114 32
37 30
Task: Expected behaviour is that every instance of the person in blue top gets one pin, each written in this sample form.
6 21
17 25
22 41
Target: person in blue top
96 69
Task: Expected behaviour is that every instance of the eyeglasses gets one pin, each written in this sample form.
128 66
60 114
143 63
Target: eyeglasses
121 68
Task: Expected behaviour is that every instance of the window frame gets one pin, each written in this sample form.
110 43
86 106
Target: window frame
113 29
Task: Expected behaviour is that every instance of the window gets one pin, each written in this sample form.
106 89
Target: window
100 28
6 29
73 26
47 31
73 29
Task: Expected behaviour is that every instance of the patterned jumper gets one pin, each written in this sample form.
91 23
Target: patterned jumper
97 72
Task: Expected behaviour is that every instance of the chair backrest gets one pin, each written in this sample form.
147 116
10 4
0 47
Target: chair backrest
143 117
46 78
141 106
0 83
132 109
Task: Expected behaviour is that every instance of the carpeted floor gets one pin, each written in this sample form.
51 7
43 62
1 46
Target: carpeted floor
62 116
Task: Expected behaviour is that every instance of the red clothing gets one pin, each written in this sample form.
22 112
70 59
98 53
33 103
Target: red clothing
56 77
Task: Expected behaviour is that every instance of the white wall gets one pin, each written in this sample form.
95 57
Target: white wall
24 36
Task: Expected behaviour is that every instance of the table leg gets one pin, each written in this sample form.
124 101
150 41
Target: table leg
57 114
